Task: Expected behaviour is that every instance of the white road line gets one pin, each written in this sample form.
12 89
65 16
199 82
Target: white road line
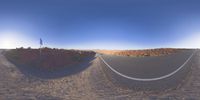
148 79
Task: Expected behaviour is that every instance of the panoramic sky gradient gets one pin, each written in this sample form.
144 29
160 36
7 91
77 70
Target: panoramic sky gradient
100 24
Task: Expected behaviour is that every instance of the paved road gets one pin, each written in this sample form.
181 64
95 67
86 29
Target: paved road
91 83
147 67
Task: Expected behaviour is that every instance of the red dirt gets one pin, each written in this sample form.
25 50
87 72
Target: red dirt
147 52
49 58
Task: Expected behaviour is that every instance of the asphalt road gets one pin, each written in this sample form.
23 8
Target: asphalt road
90 84
147 67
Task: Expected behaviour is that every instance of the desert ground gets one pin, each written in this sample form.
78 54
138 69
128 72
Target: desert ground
89 83
141 53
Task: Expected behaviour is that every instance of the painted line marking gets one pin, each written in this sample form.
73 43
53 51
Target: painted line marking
148 79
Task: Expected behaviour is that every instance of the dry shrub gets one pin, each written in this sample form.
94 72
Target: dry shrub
49 58
138 53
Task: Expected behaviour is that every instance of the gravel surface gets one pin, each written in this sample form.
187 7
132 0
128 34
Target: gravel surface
89 84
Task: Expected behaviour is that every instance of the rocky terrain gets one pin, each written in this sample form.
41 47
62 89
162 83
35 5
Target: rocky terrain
88 84
141 53
47 58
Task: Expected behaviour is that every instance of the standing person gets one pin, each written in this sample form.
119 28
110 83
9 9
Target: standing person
41 43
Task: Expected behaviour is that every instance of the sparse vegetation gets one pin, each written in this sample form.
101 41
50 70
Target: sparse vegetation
49 58
141 53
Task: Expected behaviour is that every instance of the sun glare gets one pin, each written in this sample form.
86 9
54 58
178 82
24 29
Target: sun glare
8 40
11 40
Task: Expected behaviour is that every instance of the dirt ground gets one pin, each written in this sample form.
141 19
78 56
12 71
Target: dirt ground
89 84
141 53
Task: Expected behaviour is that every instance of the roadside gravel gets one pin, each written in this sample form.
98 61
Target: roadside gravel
89 84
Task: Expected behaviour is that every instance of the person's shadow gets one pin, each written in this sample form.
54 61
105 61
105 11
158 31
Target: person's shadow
57 73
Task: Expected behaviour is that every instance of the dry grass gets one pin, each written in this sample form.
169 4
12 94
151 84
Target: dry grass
49 58
138 53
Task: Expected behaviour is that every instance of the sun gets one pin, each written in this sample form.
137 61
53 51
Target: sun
12 40
8 40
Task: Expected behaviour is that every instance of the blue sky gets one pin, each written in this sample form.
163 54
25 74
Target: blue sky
100 24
